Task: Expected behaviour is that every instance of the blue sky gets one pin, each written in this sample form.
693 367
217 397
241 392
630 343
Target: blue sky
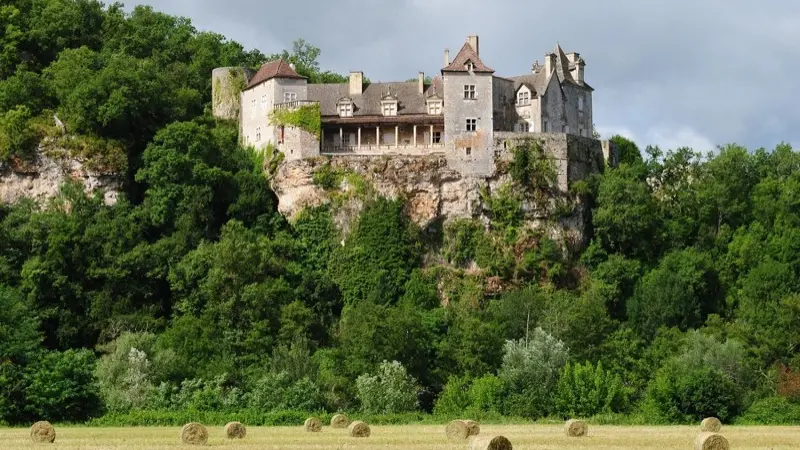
697 73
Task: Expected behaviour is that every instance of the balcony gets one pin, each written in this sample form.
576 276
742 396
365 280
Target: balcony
384 149
295 104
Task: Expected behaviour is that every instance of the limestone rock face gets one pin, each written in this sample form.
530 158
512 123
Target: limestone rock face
42 178
433 191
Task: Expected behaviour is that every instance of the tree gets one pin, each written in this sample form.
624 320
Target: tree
390 390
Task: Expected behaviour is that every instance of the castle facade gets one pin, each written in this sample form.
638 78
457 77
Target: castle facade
459 113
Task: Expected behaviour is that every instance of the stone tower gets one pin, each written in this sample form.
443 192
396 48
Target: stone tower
227 84
468 111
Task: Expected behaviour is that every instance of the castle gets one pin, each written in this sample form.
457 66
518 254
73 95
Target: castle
465 114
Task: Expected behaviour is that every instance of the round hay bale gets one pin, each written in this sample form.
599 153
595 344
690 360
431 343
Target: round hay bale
473 427
359 429
576 428
711 424
490 443
313 424
456 430
194 433
339 421
711 441
42 431
235 430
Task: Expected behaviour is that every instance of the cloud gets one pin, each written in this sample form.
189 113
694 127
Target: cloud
673 73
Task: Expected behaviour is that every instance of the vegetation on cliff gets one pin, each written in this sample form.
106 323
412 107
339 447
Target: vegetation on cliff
193 293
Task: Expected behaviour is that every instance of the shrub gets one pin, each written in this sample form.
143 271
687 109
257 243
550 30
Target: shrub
771 411
390 390
17 136
125 372
486 395
585 390
684 395
530 371
328 178
454 398
61 386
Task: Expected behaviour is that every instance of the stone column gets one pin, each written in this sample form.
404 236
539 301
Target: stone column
415 135
359 138
378 136
431 142
341 138
396 136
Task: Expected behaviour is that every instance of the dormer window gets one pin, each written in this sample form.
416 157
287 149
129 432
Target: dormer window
345 107
469 66
389 108
434 106
389 105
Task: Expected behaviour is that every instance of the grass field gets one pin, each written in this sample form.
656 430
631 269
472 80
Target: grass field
413 437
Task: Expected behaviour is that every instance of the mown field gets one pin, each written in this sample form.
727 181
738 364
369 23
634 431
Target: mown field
411 437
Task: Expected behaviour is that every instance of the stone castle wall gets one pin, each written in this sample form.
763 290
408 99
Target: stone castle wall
227 84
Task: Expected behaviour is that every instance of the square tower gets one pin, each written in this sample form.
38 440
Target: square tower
468 111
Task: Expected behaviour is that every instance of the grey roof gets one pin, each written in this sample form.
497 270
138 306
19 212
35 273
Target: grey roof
368 103
537 81
465 55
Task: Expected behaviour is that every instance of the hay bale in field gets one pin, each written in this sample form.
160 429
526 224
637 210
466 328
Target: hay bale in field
235 430
339 421
711 424
490 443
42 431
313 424
194 433
576 428
711 441
473 427
456 430
359 429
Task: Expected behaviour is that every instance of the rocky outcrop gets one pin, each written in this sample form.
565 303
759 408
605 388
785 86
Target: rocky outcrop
432 191
42 178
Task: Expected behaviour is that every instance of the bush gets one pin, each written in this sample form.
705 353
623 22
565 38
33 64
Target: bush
17 136
391 390
454 398
486 395
61 386
125 372
681 395
587 390
530 371
771 411
277 391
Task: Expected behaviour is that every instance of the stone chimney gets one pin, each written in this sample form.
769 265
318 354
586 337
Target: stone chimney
549 63
421 82
356 82
473 42
446 57
577 74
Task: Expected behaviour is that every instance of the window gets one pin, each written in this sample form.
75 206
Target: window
253 104
472 124
434 107
468 150
546 126
264 101
580 103
524 98
345 140
524 127
289 96
582 131
437 137
390 109
258 134
346 110
469 92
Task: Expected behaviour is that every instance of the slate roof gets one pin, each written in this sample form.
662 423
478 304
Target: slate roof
409 100
537 81
466 54
273 69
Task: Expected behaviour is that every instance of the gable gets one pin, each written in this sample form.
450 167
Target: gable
465 55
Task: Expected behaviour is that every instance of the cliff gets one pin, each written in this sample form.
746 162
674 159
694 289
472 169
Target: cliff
41 178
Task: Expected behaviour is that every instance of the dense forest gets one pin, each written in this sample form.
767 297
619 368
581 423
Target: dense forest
192 295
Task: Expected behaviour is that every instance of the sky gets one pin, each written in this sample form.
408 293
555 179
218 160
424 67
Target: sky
677 73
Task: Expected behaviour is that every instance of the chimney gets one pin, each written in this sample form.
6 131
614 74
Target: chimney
578 73
473 42
446 57
549 63
356 82
421 82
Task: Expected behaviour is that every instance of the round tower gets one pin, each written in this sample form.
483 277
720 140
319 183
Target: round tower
227 84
